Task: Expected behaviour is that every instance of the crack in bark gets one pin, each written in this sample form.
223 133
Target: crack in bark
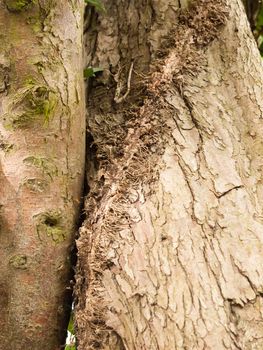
228 191
194 120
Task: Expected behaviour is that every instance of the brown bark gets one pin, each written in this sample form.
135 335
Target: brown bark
42 133
170 256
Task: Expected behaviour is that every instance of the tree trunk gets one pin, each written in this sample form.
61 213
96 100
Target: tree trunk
42 133
171 253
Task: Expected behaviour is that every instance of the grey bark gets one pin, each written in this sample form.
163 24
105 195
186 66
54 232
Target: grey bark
170 256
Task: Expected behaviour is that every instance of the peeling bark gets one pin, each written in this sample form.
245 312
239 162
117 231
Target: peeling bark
42 133
170 256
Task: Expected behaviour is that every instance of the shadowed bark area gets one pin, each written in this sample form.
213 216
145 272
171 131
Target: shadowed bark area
170 256
42 133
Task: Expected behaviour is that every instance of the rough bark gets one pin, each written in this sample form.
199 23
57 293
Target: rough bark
171 253
42 133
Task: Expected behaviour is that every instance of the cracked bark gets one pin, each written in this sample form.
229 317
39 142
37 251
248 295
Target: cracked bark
170 256
42 133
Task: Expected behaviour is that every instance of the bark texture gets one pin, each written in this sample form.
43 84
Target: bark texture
42 133
171 253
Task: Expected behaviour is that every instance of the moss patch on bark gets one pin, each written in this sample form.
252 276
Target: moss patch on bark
50 226
33 102
17 5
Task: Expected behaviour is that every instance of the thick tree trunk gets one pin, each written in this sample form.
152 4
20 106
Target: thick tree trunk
171 253
42 133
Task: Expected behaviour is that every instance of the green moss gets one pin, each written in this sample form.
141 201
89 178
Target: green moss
17 5
56 233
35 23
50 226
36 185
19 261
46 165
33 102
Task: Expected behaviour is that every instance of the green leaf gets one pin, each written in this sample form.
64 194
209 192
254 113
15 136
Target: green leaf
71 324
97 4
70 347
90 72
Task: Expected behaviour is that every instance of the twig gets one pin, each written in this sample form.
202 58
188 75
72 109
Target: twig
119 99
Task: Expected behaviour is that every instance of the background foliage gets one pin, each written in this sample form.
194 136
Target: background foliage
258 31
